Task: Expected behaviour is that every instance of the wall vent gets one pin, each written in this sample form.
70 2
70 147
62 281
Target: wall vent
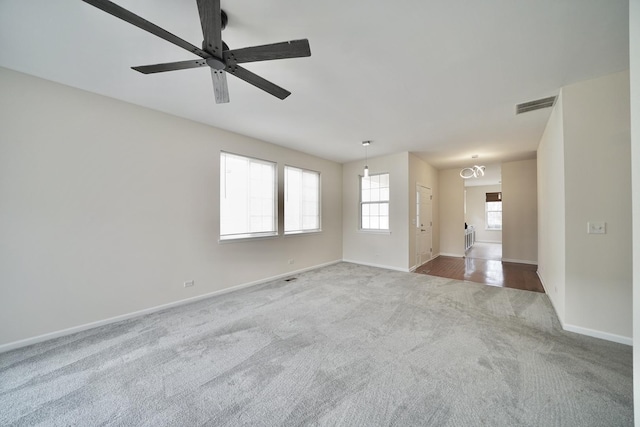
535 105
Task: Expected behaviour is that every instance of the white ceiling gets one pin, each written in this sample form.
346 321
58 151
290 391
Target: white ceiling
439 78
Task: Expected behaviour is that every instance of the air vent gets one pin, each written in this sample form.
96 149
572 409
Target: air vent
535 105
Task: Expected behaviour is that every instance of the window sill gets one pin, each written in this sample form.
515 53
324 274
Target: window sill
493 229
244 238
301 233
362 230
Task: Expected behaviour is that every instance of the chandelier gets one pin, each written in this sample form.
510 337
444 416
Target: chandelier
474 172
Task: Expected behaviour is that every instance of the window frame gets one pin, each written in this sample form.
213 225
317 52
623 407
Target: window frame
486 216
248 235
318 229
378 202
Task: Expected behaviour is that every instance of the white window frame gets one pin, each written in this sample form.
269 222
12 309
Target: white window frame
254 197
379 202
301 208
486 216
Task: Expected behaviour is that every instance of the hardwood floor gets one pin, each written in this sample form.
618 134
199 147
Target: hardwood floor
487 271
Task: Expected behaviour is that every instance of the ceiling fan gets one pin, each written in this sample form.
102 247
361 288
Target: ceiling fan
214 53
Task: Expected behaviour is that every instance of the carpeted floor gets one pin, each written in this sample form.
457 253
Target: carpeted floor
341 345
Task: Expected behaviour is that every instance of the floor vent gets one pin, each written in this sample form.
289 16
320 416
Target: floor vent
535 105
290 279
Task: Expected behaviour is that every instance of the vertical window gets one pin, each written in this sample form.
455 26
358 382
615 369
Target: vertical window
493 211
247 197
374 202
301 200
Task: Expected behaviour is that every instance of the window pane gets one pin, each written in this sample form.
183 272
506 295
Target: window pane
384 223
374 222
494 215
374 206
302 200
365 222
247 196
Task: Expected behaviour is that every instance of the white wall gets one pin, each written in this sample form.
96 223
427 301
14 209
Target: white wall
595 140
520 212
383 249
551 210
598 188
476 197
107 208
421 172
634 55
451 211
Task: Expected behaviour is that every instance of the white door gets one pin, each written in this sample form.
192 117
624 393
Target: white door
424 225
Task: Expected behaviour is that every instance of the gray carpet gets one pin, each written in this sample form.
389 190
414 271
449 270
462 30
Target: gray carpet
341 345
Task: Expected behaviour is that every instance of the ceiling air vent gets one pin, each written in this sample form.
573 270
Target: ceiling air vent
535 105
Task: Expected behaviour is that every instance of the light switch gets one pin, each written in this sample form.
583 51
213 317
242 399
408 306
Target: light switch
596 227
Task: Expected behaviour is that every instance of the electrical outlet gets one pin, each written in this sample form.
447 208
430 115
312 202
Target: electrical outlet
596 227
291 261
189 283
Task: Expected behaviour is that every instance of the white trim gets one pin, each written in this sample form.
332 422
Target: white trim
546 291
416 266
489 241
585 331
453 255
56 334
598 334
368 264
553 304
520 261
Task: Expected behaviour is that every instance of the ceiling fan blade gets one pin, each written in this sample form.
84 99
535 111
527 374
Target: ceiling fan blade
132 18
170 66
283 50
211 22
220 89
259 82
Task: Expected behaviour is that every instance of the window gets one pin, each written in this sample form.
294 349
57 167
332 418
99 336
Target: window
247 197
493 211
301 200
374 202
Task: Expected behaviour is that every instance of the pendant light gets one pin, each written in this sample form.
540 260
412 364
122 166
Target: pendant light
365 144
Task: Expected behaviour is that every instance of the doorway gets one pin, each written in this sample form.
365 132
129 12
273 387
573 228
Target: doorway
424 224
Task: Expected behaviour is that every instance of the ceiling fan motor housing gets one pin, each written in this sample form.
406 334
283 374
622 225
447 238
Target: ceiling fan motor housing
216 63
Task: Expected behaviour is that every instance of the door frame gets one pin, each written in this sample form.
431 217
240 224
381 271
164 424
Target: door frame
418 233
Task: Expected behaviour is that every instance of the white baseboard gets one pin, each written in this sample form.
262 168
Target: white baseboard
520 261
56 334
585 331
368 264
489 241
546 290
453 255
598 334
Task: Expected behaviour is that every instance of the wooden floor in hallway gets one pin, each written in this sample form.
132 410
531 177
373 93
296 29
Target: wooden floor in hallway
487 270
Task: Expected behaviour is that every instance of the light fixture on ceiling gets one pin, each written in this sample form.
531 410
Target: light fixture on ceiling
474 172
365 144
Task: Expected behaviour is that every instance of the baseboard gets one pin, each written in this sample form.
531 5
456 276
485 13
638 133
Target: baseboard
598 334
368 264
489 241
453 255
546 291
585 331
61 333
520 261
